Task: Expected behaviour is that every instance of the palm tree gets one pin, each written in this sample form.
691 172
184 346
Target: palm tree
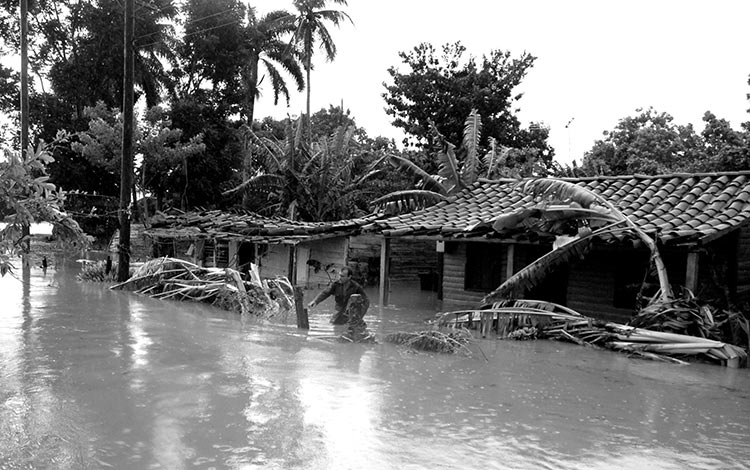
309 29
454 173
263 45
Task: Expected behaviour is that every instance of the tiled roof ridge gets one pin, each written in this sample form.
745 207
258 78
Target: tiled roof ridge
626 177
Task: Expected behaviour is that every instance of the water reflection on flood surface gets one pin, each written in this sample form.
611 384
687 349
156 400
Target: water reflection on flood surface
91 378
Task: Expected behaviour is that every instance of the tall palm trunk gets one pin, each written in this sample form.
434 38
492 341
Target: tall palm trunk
309 120
250 94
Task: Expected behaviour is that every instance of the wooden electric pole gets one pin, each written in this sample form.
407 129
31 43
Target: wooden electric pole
24 76
126 168
26 229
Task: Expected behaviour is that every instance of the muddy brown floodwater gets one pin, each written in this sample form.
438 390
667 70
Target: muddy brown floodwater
91 378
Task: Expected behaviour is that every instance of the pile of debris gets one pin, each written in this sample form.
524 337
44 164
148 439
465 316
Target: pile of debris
172 278
658 332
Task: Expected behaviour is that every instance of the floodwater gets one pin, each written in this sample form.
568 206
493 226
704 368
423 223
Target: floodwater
91 378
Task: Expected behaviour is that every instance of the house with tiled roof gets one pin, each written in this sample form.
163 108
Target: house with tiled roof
699 220
307 253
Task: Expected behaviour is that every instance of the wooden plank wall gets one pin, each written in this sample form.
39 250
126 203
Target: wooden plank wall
743 265
409 257
455 297
591 288
328 251
274 261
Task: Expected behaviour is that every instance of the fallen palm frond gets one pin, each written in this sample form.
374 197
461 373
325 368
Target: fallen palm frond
531 319
535 273
172 278
551 190
433 340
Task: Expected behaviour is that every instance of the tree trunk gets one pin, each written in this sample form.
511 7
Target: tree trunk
251 93
309 119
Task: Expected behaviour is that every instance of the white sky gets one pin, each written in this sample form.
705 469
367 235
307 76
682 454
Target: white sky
597 61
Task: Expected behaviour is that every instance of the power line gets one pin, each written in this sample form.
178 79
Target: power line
196 32
189 22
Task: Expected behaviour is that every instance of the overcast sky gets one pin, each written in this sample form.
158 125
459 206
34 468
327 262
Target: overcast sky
597 61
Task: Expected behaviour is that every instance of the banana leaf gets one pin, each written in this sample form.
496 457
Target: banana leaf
531 216
552 189
400 202
472 134
428 181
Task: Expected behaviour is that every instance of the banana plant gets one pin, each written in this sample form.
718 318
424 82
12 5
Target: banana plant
454 174
566 201
320 182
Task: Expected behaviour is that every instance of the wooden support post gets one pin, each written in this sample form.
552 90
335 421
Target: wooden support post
691 273
303 321
200 244
385 285
292 264
509 254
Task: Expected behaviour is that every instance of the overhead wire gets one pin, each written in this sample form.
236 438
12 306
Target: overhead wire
196 32
196 20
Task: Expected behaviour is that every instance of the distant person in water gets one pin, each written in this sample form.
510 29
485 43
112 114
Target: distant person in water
341 290
44 264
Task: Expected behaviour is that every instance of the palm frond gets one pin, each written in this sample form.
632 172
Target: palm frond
264 183
428 181
547 213
495 157
272 163
536 272
472 134
401 202
278 84
447 161
533 304
559 191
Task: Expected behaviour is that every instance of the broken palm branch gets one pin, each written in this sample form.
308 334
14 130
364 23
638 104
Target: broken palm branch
537 271
530 319
427 181
560 191
450 342
172 278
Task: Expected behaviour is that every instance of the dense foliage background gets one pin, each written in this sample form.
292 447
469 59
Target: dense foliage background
200 66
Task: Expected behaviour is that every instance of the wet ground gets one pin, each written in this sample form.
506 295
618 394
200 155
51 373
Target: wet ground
91 378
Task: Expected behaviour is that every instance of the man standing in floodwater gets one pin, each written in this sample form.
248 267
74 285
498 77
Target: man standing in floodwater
342 290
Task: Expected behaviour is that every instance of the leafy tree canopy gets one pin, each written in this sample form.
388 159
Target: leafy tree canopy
651 143
443 88
26 197
165 159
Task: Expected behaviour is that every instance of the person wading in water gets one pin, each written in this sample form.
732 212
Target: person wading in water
342 290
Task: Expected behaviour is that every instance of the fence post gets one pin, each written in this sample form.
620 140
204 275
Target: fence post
299 303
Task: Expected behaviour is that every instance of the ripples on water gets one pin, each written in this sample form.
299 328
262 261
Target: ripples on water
91 378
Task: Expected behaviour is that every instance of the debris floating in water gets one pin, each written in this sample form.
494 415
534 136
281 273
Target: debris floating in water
172 278
433 340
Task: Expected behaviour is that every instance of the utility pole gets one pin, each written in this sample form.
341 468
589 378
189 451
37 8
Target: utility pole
126 168
25 230
24 76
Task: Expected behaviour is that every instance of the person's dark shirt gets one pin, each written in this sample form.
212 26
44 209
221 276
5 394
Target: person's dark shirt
341 294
